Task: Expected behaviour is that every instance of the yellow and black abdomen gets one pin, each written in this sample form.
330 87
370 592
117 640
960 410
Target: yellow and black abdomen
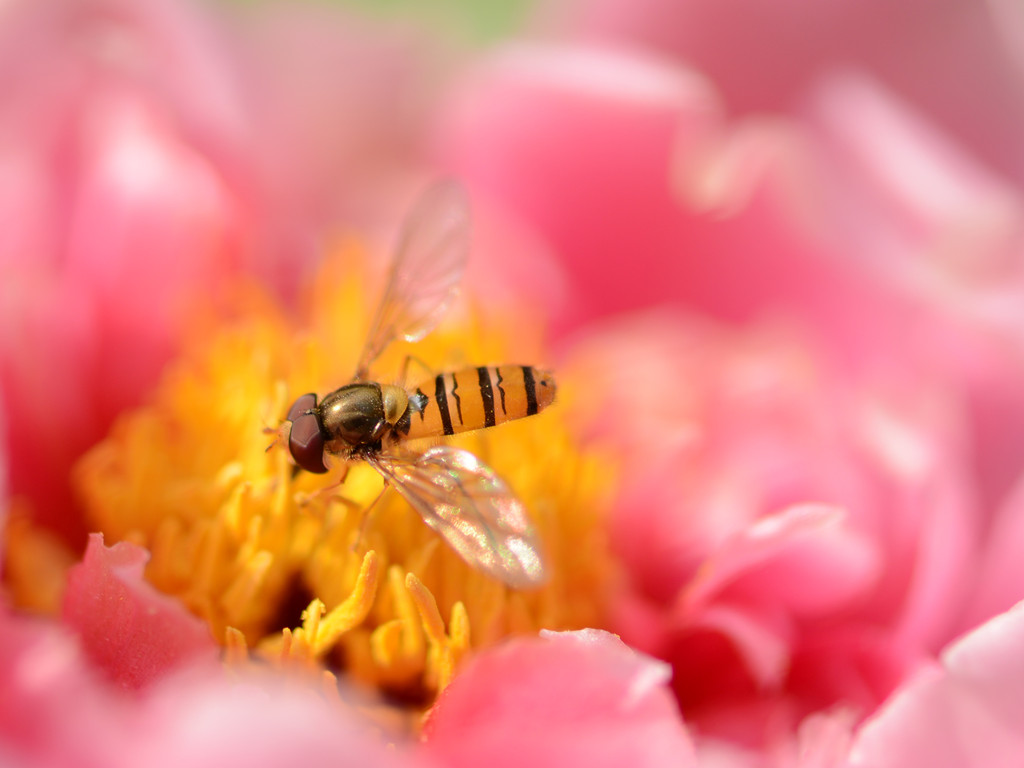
474 398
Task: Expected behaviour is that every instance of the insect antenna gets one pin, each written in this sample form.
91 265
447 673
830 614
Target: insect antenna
403 376
280 394
277 437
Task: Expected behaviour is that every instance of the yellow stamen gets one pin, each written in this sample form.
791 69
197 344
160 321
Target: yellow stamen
445 649
236 652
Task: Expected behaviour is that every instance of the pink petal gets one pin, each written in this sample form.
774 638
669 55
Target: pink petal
760 636
129 630
939 234
756 588
542 129
1000 582
53 708
852 665
253 719
955 60
804 558
965 713
579 698
823 741
118 217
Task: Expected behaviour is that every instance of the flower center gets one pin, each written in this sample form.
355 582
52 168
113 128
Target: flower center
281 563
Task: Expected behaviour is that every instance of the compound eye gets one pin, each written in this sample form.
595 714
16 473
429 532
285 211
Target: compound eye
306 439
303 405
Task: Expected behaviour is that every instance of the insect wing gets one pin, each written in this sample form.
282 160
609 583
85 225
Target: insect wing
425 274
472 508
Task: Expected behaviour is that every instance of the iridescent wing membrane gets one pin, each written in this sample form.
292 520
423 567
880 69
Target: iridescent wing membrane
424 278
472 508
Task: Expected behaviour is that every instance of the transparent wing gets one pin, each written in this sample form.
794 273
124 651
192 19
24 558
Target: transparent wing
471 508
425 274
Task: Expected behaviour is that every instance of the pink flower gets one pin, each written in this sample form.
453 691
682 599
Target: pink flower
810 508
793 540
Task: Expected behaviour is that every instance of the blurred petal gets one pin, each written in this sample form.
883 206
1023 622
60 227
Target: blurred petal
965 713
54 710
568 699
938 235
955 59
802 556
121 216
253 720
571 111
1000 583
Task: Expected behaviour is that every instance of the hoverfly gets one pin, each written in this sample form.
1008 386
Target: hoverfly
457 495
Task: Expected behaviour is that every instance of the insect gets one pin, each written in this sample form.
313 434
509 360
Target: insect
457 495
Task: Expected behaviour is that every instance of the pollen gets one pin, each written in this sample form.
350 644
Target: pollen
282 564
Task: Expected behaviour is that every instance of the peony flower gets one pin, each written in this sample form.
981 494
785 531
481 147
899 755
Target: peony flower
785 520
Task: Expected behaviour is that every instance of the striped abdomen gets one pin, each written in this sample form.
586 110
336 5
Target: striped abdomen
474 398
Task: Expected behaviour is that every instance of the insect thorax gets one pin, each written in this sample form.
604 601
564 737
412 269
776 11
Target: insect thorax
354 414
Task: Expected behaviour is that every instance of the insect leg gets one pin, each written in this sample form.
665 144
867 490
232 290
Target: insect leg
403 377
304 499
365 517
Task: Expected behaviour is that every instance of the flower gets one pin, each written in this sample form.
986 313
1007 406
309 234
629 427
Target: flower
253 549
813 451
